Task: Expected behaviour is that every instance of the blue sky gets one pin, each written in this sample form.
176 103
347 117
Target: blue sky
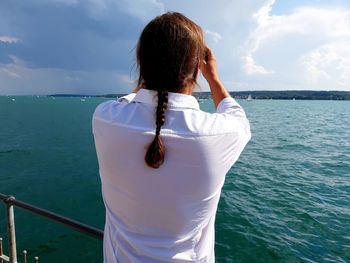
87 47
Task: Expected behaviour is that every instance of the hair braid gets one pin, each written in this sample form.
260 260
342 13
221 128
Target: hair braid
155 154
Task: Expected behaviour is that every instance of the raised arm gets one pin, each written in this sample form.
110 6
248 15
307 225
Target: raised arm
209 71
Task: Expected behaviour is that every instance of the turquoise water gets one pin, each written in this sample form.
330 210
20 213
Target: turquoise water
287 199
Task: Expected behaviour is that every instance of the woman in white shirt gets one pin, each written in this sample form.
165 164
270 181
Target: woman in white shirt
162 160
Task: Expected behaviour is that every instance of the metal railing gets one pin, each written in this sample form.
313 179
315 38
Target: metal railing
10 202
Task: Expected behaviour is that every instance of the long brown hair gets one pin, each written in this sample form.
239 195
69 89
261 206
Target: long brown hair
168 54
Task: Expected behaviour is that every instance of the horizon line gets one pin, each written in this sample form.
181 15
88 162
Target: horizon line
104 94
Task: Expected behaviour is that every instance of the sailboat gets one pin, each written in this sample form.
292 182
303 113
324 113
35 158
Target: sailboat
249 97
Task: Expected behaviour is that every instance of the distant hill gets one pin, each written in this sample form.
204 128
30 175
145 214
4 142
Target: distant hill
260 95
294 94
285 95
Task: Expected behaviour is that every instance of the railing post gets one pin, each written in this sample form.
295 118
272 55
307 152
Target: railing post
1 251
24 256
11 230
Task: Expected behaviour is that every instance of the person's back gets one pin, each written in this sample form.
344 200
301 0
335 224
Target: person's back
161 202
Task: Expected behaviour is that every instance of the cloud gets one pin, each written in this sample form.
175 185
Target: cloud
9 39
75 50
329 63
300 47
20 80
76 35
263 31
215 36
12 69
252 68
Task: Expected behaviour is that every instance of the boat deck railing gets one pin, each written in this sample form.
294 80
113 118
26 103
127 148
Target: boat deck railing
11 202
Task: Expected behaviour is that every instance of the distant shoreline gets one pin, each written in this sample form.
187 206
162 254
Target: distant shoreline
286 95
260 95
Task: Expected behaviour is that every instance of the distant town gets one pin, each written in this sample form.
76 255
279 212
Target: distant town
259 95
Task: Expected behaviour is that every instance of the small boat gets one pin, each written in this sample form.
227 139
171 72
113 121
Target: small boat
249 97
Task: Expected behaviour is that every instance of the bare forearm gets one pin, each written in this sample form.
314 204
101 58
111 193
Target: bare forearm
208 68
218 91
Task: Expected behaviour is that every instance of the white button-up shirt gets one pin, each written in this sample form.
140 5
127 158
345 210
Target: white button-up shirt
165 214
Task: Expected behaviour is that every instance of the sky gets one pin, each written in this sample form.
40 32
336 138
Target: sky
88 46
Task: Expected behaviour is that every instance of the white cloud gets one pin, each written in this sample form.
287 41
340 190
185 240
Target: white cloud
252 68
266 26
16 60
18 79
12 70
308 46
9 39
330 63
214 36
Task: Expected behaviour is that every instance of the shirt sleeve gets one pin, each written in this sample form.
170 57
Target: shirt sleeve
231 107
235 117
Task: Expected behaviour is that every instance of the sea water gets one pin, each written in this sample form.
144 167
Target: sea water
287 199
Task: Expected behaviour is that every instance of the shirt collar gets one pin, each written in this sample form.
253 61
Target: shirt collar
177 100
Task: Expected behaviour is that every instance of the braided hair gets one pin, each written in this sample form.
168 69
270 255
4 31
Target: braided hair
156 151
168 54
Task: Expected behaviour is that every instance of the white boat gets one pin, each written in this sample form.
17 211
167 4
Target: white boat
249 97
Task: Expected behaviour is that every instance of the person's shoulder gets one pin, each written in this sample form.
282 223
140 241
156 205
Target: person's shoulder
109 105
103 107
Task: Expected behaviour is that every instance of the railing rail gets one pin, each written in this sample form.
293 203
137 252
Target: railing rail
10 202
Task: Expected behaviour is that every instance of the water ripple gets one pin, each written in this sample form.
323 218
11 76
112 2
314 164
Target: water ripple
289 192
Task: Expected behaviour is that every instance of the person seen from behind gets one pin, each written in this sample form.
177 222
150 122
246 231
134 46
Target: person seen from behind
162 160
